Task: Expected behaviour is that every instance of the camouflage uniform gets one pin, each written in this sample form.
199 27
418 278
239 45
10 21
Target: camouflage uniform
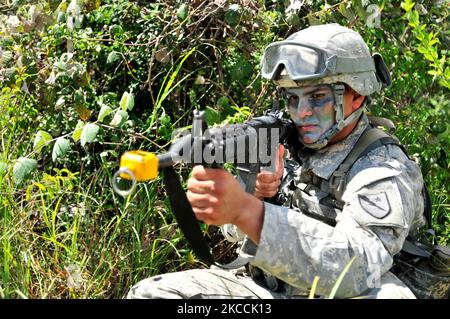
383 204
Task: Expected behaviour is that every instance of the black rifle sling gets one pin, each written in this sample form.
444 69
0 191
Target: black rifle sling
188 224
185 215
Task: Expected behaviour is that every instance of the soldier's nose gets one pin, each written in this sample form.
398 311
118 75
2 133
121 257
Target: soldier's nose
304 110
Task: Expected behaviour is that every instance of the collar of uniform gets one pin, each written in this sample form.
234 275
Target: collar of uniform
325 161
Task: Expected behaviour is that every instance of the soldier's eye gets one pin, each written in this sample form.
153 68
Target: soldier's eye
318 96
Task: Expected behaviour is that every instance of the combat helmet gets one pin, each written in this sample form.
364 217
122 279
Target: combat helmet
326 54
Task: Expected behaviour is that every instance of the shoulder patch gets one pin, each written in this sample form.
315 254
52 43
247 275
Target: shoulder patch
376 205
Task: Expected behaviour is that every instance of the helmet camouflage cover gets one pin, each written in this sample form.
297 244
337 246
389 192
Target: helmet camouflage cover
324 54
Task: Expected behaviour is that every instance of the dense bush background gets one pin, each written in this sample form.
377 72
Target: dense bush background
83 81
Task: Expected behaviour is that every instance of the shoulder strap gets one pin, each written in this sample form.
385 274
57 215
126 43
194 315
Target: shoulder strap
369 140
374 138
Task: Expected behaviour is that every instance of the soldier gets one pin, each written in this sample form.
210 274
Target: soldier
348 196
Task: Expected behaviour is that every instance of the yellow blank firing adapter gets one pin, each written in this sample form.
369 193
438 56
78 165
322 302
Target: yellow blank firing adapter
143 165
135 166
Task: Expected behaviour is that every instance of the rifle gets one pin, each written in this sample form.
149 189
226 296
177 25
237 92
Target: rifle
252 146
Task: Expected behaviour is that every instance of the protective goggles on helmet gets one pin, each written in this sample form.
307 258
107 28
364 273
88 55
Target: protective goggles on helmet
305 61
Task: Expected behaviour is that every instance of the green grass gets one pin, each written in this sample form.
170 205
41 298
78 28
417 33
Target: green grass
60 241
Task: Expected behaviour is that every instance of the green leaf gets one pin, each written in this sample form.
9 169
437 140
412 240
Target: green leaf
89 133
79 97
5 58
3 167
61 17
413 19
63 61
76 135
359 10
40 140
61 76
429 56
346 11
212 116
165 126
233 15
119 118
66 57
112 57
434 72
182 12
23 168
60 103
422 49
242 70
223 102
60 148
407 5
123 101
127 101
104 112
130 101
116 30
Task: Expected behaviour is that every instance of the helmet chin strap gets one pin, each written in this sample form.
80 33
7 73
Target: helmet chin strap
338 90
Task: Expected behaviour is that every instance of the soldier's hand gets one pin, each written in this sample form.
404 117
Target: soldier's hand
217 198
213 194
268 183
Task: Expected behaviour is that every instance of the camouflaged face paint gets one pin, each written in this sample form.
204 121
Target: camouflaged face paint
312 110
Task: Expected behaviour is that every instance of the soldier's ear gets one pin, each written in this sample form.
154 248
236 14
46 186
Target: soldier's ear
356 98
358 101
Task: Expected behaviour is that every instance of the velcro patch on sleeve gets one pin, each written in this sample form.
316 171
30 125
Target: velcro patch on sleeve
376 205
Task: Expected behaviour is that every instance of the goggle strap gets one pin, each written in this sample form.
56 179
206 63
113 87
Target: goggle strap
338 65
